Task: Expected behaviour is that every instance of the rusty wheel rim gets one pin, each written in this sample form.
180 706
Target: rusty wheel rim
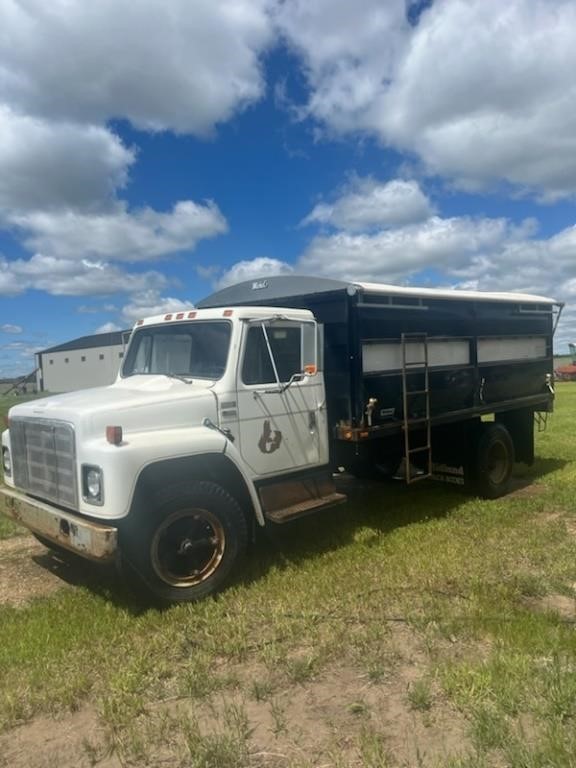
187 547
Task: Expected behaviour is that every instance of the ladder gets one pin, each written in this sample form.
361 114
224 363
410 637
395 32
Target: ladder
416 370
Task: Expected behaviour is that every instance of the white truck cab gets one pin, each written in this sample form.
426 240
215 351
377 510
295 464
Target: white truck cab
217 419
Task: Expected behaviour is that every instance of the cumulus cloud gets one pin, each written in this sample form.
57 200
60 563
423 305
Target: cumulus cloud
480 90
48 165
162 64
350 52
253 269
395 254
119 234
66 277
367 204
108 328
149 303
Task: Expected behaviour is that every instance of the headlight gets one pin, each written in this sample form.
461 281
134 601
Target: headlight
6 461
92 484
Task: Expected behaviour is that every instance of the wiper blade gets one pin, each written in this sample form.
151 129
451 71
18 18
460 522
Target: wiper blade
178 376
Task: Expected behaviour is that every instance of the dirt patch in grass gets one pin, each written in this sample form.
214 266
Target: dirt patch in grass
522 488
29 570
22 572
564 606
338 718
47 742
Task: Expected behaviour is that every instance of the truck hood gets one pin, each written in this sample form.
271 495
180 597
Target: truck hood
138 403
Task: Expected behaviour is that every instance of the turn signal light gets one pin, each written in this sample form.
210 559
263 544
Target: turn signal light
114 435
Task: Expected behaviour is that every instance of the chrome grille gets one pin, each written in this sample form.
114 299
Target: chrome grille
44 459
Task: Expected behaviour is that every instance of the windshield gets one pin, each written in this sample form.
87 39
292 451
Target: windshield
198 350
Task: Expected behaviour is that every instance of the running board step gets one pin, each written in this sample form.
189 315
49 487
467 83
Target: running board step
305 508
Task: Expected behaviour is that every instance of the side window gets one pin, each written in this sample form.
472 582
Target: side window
257 367
286 345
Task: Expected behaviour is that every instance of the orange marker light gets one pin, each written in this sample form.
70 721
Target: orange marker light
192 315
228 313
167 317
114 435
180 315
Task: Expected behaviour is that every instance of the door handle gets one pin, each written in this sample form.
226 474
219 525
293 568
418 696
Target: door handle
312 421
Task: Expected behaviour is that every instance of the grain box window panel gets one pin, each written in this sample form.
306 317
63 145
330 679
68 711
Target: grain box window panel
83 358
100 357
499 349
66 360
387 356
51 362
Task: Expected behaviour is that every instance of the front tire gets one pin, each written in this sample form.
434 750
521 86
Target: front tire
189 545
493 461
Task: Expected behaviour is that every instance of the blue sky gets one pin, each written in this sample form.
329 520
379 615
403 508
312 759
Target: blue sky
153 151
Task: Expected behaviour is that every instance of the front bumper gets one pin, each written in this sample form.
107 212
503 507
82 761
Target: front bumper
92 540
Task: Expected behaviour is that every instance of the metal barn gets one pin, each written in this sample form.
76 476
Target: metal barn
90 361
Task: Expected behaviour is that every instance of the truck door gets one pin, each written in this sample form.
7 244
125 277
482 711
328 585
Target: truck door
281 400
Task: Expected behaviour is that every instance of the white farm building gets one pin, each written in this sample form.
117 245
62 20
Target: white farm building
90 361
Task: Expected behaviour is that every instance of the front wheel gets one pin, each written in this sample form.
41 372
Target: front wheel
493 461
189 545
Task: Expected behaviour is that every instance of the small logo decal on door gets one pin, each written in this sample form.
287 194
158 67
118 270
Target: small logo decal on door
269 439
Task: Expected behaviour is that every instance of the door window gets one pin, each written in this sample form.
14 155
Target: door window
292 346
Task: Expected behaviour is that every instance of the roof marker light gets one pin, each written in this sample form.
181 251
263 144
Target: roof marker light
139 322
167 317
227 313
180 315
114 435
192 315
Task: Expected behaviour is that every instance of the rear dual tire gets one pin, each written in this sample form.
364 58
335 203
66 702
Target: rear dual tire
490 467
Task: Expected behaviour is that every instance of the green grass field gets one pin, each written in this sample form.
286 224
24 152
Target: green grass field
419 606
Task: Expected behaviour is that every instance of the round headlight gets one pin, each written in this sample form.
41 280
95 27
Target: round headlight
6 461
93 483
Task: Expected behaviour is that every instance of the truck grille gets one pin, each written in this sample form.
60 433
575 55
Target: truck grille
44 459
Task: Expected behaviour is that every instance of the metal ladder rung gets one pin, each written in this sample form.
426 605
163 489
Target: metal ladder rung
416 368
420 449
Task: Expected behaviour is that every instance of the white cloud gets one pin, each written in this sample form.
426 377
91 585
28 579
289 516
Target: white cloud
162 64
88 309
149 303
395 254
65 277
262 266
119 234
368 204
350 51
481 90
108 328
10 328
46 165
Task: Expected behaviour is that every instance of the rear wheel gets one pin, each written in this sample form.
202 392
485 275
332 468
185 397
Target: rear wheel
493 461
189 546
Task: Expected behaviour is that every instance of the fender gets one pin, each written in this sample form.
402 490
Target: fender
124 464
174 467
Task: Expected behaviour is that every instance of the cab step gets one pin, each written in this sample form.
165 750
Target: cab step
298 494
304 508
